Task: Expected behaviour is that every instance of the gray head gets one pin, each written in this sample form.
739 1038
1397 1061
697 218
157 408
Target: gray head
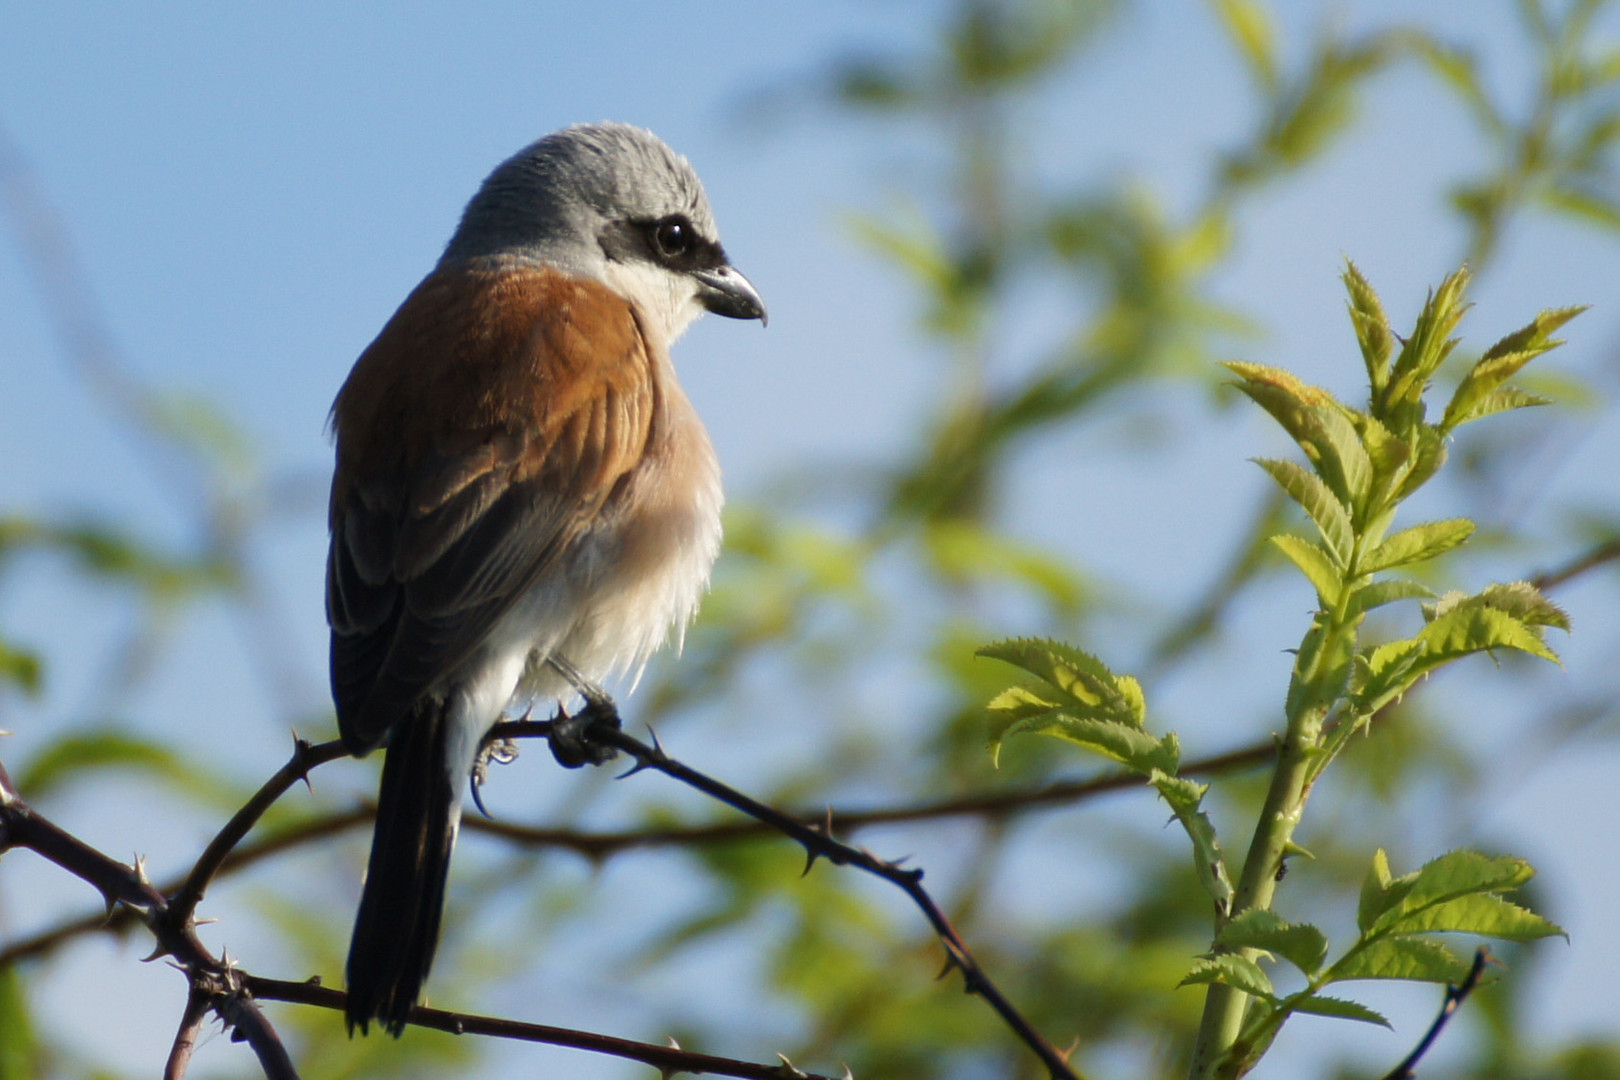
611 202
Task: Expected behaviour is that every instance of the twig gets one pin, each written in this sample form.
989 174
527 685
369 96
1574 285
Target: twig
818 841
596 845
1455 996
21 826
304 758
1606 552
669 1060
185 1040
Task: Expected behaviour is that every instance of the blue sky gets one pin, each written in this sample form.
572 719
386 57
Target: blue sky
251 191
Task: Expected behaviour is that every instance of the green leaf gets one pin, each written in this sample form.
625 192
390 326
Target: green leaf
1315 563
1316 422
1476 913
1321 1005
1301 944
1501 362
1428 346
1251 28
1497 401
1230 969
1377 895
1185 798
1474 626
1084 684
1307 489
1415 958
1526 603
1460 872
1372 326
1376 594
1417 544
1130 746
21 668
1457 630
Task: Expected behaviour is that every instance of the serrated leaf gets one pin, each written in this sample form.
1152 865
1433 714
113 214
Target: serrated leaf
1315 563
1376 594
1085 685
1429 343
1476 913
1376 895
1497 401
1415 958
1130 746
1428 455
1417 544
1526 603
1372 327
1321 1005
1316 422
1461 872
1185 798
1301 944
1230 969
1392 668
1477 628
1331 516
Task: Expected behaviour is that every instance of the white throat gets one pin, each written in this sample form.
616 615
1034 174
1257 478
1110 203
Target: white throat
668 300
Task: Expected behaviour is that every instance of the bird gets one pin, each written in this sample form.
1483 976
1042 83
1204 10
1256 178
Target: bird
524 502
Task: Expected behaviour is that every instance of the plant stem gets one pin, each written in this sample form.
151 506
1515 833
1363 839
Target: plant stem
1318 681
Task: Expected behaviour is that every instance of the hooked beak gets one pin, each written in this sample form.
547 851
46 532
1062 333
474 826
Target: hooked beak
726 292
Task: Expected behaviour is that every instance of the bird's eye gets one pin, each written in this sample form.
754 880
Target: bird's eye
673 236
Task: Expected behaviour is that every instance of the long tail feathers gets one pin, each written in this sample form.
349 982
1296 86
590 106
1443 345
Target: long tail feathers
397 929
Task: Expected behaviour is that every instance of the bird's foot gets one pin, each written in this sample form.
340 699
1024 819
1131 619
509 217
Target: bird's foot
575 740
498 751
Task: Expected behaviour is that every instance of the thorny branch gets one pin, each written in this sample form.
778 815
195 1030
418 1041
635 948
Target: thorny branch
213 979
819 843
670 1060
601 844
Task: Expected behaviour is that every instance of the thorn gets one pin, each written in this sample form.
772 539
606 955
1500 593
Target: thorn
953 962
313 980
639 766
789 1069
203 922
847 1074
674 1043
140 870
158 950
810 857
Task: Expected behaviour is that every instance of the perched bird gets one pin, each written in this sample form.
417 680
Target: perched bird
521 491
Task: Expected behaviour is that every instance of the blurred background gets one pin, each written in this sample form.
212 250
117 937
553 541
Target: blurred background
1005 244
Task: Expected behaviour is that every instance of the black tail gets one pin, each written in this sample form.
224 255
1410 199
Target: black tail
397 929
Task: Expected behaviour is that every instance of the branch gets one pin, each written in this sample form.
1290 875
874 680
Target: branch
304 758
1592 558
216 980
596 845
1455 996
818 841
669 1060
185 1040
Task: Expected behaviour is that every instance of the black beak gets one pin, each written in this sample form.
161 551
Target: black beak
726 292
